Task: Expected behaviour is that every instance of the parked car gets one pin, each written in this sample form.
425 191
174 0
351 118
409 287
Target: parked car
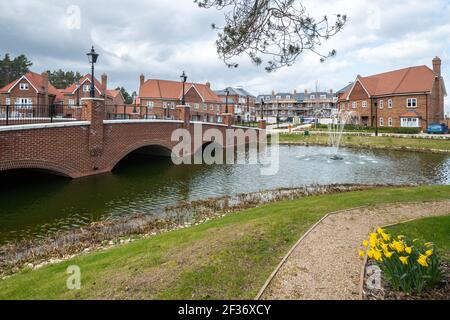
437 128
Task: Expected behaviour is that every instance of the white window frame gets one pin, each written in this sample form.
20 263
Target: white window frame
364 104
87 88
410 122
381 103
8 101
390 122
288 97
411 103
24 86
312 97
381 122
323 96
24 103
354 105
71 102
390 104
150 104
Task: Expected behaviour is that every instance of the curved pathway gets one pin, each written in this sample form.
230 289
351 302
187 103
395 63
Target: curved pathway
325 263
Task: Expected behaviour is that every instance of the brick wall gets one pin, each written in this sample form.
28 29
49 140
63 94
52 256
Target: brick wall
84 150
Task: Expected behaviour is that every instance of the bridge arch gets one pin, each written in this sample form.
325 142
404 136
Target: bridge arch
161 149
43 165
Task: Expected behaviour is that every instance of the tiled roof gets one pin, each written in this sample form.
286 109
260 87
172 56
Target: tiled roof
172 90
407 80
234 92
112 93
37 81
87 77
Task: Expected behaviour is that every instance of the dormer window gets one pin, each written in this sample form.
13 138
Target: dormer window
87 88
323 96
312 97
24 86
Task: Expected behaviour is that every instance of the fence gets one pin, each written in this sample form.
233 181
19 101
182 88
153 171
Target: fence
18 114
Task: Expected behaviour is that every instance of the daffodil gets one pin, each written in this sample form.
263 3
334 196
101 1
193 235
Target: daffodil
386 237
361 253
388 254
428 244
408 250
400 237
404 260
365 243
380 231
423 261
429 253
378 256
398 246
370 254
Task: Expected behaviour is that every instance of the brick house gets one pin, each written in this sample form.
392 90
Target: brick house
82 89
410 97
159 98
29 92
241 103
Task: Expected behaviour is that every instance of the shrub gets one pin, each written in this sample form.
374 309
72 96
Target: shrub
407 265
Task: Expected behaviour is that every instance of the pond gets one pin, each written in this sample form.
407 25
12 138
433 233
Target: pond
35 204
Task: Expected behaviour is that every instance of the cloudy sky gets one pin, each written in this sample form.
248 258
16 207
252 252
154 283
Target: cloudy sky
161 38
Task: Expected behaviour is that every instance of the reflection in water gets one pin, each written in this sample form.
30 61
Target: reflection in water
33 204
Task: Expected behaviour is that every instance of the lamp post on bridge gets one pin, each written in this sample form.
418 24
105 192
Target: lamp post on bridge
183 79
93 56
227 91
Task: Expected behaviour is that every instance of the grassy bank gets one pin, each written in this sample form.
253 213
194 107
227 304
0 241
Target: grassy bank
371 142
435 229
227 258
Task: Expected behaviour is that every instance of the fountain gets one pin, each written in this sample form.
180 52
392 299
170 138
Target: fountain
336 126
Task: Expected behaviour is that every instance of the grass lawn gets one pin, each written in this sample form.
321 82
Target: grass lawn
370 142
436 230
228 258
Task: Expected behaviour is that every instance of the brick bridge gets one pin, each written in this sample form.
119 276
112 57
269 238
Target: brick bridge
94 145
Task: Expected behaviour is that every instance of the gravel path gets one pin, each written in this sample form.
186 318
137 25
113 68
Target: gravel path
325 265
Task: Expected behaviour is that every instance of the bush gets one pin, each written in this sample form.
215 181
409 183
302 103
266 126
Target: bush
407 266
356 128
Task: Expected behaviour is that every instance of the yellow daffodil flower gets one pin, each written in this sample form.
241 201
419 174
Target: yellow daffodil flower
428 244
361 253
404 260
365 243
408 250
380 231
423 261
388 254
429 253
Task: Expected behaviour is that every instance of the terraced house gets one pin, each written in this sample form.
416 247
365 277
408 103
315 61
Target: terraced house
159 99
409 97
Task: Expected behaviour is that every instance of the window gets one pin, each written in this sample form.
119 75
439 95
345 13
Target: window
24 86
150 104
196 106
411 103
24 102
410 122
323 96
354 104
288 97
165 105
364 104
71 102
381 122
342 105
87 88
390 122
218 108
267 98
390 104
8 101
278 98
381 103
172 105
212 107
205 106
312 97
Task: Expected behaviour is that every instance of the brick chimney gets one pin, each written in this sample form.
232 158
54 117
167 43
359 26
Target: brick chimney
104 84
45 88
437 63
142 80
331 91
208 84
295 91
306 92
273 92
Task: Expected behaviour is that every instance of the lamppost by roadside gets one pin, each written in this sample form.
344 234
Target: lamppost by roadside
78 92
376 119
227 91
278 113
93 56
183 79
262 108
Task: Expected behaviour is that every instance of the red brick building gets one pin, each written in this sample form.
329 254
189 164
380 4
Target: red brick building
74 93
30 90
410 97
159 98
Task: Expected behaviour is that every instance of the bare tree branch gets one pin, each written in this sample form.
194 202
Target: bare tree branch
280 30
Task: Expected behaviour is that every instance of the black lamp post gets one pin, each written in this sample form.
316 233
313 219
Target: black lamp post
183 79
227 91
278 113
262 108
93 56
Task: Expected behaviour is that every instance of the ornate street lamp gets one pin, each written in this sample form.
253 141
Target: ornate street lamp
262 108
227 91
93 56
183 79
